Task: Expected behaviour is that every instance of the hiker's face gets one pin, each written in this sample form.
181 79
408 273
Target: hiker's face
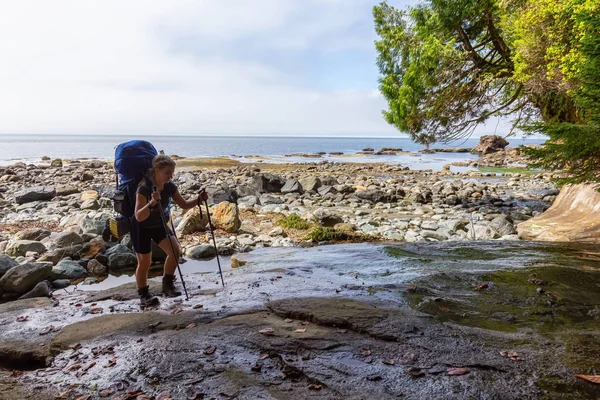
164 174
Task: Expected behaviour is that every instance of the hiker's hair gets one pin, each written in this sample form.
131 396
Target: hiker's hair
160 161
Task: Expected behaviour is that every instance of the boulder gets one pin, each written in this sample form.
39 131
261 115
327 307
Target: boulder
22 278
94 267
268 199
373 195
490 144
268 183
90 204
227 217
292 186
481 232
201 252
247 201
68 269
37 193
573 217
54 256
56 163
60 283
502 225
65 190
42 289
21 247
120 256
218 195
192 222
6 263
65 239
92 248
310 184
32 234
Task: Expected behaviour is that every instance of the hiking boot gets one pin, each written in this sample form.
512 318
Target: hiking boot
168 287
146 299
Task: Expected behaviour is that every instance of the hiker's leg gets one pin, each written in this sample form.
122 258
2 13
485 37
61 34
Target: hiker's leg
170 264
141 272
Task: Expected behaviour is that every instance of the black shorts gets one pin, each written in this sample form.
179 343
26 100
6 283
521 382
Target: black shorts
142 237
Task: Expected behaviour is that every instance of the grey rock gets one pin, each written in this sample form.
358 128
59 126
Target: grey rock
94 226
201 252
65 239
65 190
310 184
6 263
292 186
373 195
94 267
22 278
68 269
118 249
247 201
327 217
429 225
32 234
42 289
266 199
21 247
218 195
323 190
60 283
481 232
90 204
36 193
501 225
121 260
437 235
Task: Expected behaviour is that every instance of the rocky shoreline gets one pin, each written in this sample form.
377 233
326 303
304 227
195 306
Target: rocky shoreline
52 217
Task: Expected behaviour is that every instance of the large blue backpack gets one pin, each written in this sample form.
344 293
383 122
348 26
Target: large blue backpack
133 159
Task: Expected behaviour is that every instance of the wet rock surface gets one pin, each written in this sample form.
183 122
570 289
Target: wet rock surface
425 320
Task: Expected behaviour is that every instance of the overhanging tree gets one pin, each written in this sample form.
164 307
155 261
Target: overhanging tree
448 66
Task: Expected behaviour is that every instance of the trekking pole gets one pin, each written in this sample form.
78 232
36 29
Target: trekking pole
168 232
213 237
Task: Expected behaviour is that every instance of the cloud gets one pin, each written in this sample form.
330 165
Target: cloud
190 67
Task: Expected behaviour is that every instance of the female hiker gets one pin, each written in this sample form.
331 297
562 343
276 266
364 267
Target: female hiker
147 225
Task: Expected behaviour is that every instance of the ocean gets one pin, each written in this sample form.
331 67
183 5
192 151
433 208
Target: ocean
31 148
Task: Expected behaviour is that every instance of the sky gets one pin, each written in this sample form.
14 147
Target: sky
224 67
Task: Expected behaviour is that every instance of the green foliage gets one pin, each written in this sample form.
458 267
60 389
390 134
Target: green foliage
445 67
294 221
322 233
576 147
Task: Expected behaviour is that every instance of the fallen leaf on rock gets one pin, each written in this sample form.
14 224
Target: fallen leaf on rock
16 373
90 365
64 395
389 362
23 318
190 326
96 310
72 367
267 331
300 331
288 320
93 304
503 353
210 350
458 371
314 386
264 356
106 392
163 396
76 346
78 305
176 310
47 330
197 306
111 363
589 378
444 309
278 277
80 373
483 286
365 352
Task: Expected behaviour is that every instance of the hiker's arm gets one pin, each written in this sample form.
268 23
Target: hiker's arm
142 207
183 203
